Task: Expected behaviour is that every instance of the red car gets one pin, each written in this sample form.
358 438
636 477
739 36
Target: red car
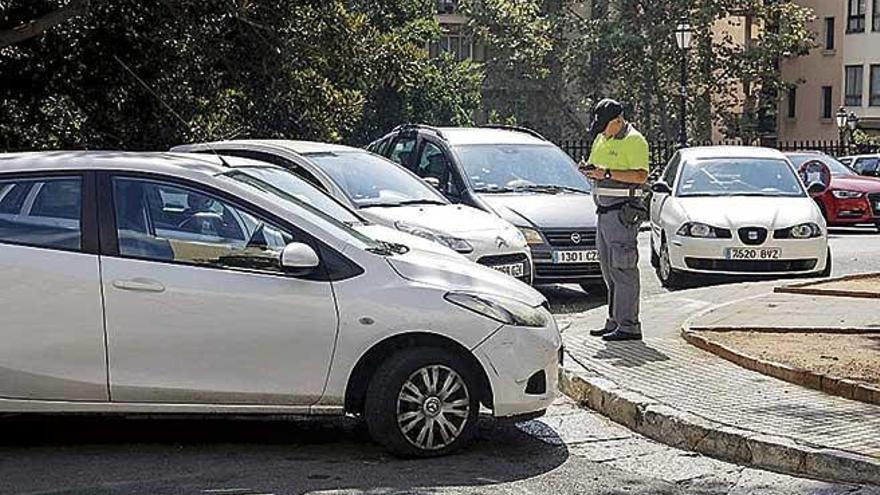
850 199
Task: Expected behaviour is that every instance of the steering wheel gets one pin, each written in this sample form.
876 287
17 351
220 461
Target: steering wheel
205 223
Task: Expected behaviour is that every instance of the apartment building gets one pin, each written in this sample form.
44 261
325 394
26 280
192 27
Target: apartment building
843 70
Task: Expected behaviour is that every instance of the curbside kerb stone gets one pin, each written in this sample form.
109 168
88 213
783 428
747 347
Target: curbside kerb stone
683 430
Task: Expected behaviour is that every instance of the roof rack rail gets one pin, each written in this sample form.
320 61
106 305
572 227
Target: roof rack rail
403 127
515 128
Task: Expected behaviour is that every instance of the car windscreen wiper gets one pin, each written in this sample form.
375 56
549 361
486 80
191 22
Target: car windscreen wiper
421 202
494 189
554 188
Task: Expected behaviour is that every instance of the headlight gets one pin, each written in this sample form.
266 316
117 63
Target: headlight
697 229
532 236
802 231
503 310
454 243
847 194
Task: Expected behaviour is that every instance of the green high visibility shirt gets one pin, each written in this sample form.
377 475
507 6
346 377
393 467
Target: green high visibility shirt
628 150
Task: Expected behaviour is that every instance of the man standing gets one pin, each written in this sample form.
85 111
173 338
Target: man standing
618 165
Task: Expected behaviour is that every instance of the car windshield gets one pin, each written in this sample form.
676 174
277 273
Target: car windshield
288 187
837 169
739 177
370 180
517 167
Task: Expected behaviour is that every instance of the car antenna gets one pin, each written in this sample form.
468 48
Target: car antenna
170 109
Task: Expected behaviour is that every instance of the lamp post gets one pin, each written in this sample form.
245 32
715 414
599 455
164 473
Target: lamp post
852 122
841 118
683 35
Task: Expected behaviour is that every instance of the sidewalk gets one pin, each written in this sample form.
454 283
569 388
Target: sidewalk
676 393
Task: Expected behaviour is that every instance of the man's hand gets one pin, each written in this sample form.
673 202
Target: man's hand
596 173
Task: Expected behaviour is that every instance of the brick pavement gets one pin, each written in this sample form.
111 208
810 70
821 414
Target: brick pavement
667 369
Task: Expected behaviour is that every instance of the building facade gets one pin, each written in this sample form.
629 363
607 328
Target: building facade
842 70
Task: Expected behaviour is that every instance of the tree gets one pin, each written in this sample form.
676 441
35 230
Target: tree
332 70
36 26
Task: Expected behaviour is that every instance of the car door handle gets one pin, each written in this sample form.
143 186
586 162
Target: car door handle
139 284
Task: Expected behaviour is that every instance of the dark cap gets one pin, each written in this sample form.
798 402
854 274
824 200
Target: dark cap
604 112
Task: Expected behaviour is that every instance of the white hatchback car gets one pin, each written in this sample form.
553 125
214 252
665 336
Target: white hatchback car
388 194
153 283
734 210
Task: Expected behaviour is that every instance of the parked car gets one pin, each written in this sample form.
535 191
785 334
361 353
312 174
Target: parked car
863 164
849 199
387 194
173 283
518 175
734 210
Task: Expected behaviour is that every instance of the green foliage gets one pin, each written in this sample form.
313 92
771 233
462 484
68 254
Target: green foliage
325 70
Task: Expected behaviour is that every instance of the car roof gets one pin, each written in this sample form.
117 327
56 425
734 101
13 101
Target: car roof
707 152
189 163
299 147
457 136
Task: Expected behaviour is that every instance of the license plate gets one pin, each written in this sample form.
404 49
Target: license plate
514 270
753 253
591 256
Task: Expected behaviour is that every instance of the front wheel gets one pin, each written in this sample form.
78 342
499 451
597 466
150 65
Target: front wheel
422 402
669 276
827 271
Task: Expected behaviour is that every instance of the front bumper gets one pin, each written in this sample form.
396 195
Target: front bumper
856 211
799 256
522 365
506 262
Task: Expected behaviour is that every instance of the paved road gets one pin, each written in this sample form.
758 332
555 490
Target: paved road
570 451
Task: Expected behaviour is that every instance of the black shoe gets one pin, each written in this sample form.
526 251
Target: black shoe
600 332
618 336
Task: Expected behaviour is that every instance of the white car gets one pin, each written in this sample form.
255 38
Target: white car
388 194
734 210
171 283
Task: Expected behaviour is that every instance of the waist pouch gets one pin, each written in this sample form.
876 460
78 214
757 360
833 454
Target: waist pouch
631 213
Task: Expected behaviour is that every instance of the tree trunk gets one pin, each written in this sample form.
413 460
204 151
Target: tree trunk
37 26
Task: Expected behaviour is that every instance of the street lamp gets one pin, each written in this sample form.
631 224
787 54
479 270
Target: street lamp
841 117
683 35
852 121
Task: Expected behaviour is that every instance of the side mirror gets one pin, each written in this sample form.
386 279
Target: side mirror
298 257
661 187
816 188
432 181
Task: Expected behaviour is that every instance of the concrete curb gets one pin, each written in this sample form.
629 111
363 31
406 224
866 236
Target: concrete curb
688 431
809 289
832 385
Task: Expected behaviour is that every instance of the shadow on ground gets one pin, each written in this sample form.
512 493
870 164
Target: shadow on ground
569 299
114 455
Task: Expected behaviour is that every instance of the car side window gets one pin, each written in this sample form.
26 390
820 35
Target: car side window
42 212
168 222
402 150
279 161
671 170
433 163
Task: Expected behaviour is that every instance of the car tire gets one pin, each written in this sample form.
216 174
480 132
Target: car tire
401 408
655 258
669 277
827 271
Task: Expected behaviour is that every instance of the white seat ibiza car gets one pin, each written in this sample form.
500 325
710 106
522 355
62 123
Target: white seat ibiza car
734 210
390 195
152 283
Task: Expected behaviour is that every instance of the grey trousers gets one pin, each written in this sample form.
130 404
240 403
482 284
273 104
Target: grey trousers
619 258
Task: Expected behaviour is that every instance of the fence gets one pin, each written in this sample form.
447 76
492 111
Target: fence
661 151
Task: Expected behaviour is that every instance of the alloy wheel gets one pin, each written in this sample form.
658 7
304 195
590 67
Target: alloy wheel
433 407
665 264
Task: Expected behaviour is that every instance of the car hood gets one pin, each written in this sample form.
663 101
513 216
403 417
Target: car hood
858 183
457 220
382 233
461 275
738 211
544 210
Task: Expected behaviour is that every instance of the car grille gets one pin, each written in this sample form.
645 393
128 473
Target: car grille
750 266
548 270
509 259
563 237
752 236
874 199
